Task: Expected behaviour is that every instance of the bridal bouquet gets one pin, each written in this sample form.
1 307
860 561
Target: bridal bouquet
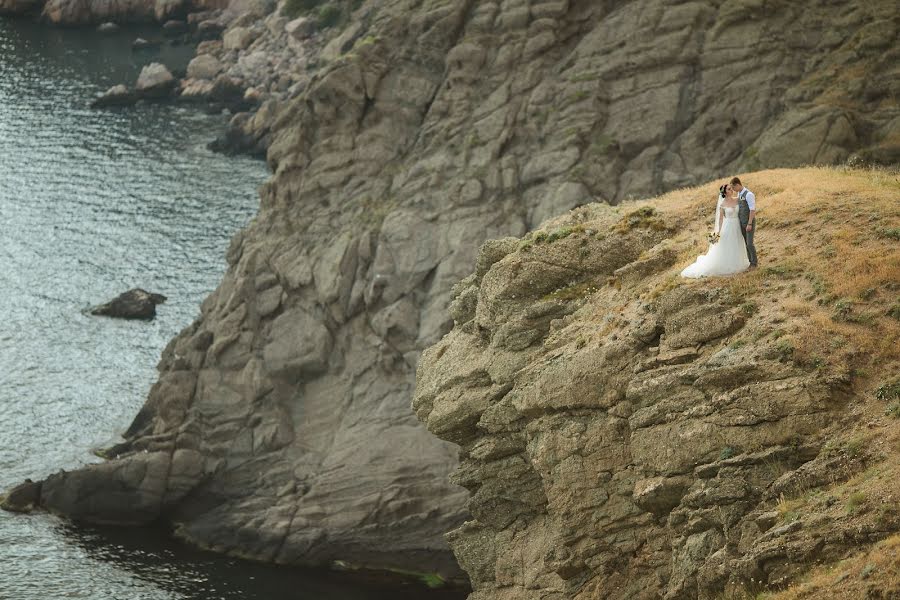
712 237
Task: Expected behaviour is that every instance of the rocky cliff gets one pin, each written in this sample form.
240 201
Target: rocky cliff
626 433
401 135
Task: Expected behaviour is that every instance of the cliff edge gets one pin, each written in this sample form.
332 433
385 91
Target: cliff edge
626 433
401 135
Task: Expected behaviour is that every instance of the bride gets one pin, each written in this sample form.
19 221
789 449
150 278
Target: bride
729 254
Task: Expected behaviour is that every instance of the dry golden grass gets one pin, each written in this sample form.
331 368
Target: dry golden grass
829 257
872 574
827 298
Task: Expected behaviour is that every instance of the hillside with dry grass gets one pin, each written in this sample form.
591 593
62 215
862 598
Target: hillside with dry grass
627 433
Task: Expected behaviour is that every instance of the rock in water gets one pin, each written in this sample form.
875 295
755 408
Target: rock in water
174 27
23 498
144 44
155 81
107 27
133 304
118 95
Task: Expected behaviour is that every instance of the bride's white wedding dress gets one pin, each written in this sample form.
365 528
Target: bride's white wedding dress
728 255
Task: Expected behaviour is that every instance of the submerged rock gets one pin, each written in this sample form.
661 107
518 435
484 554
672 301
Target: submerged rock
174 27
118 95
144 44
133 304
108 27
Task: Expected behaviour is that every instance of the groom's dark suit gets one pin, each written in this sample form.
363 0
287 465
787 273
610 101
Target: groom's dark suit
744 208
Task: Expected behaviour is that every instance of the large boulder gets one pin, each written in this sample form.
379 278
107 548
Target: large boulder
155 81
133 304
204 66
238 38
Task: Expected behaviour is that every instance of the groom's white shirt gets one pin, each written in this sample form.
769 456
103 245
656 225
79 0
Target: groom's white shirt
750 198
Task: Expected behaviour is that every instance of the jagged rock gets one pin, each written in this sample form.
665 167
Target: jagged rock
204 66
209 29
154 81
25 497
133 304
238 38
659 495
301 28
118 95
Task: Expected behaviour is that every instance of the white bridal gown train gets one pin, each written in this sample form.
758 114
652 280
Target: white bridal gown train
727 256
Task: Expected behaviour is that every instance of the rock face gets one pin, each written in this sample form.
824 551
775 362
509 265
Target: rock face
400 139
625 433
133 304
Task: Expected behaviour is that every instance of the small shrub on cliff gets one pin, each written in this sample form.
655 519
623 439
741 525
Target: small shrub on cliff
894 311
889 391
785 350
893 410
560 234
645 217
891 234
855 502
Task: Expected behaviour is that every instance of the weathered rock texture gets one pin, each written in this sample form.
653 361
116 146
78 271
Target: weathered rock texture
400 139
629 434
133 304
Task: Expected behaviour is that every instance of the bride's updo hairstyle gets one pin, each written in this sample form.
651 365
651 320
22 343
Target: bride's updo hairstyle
722 189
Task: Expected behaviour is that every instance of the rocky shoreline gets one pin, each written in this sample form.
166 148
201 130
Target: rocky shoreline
401 137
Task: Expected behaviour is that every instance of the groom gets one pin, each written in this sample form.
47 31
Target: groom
747 217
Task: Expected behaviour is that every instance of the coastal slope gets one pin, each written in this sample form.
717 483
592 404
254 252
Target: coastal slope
401 135
627 433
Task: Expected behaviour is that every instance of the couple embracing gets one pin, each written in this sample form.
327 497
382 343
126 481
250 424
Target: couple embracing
731 248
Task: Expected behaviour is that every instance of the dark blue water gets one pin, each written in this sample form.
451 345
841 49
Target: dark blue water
93 203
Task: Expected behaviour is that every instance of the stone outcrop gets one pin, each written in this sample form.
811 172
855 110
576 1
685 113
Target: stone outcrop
133 304
628 434
400 138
